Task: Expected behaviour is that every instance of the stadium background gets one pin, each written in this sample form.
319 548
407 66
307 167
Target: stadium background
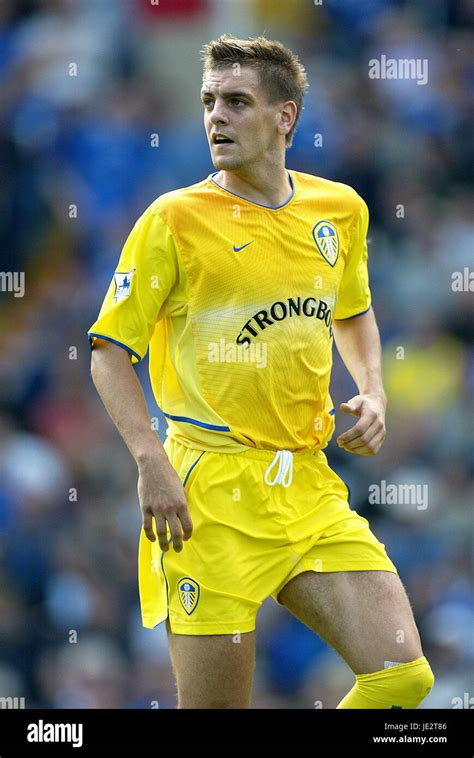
77 168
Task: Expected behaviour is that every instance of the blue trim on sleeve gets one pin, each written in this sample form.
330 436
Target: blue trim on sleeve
191 468
332 412
214 427
116 342
355 314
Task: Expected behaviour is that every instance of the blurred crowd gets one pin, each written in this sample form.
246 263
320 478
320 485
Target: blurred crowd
99 114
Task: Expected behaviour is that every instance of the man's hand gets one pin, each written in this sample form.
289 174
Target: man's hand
367 435
163 498
160 491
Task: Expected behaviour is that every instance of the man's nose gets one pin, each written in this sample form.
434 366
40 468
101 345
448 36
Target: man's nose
218 114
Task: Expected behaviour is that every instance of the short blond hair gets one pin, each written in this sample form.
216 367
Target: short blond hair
281 73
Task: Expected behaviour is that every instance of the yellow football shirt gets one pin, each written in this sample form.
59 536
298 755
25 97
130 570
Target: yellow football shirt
236 302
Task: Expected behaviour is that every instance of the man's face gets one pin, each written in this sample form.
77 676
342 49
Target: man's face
236 108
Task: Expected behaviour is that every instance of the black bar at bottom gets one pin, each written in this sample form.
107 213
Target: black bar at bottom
137 732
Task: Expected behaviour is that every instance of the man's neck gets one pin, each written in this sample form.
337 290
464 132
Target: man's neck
271 188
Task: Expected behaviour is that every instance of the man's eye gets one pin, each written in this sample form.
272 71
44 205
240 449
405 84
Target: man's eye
236 101
207 103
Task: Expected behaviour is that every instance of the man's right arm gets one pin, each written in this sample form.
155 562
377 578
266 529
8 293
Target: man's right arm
160 491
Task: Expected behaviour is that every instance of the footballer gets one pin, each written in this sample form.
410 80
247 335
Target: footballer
238 286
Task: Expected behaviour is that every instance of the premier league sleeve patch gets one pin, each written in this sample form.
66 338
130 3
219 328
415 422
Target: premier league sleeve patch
327 241
123 282
188 593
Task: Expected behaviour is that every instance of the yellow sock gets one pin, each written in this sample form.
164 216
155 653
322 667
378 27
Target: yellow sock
402 686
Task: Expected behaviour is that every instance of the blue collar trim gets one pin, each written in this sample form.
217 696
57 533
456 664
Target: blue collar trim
268 207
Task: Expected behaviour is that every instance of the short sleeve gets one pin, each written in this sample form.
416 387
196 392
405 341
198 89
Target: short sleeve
354 294
146 273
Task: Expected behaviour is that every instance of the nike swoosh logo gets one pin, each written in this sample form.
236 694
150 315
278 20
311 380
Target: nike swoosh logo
238 249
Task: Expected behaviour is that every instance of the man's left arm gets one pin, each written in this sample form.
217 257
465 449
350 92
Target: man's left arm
358 343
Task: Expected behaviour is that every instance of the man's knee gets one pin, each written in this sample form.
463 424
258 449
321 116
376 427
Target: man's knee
422 682
402 686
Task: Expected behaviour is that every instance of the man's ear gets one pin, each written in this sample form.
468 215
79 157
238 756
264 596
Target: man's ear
287 117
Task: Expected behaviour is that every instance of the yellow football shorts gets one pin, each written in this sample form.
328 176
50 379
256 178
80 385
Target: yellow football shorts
250 538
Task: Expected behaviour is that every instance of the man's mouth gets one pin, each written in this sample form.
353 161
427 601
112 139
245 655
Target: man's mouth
221 139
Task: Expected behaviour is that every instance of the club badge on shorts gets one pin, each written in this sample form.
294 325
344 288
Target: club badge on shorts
327 241
188 593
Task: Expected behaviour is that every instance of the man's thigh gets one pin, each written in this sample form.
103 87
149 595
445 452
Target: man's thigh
213 671
364 615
